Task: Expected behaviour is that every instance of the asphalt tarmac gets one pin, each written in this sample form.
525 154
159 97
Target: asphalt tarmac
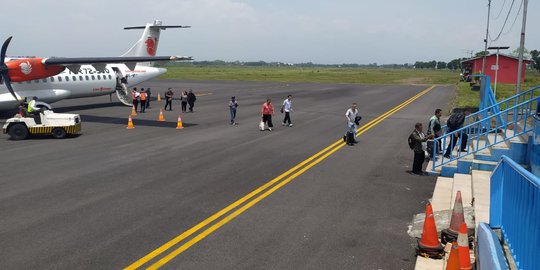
111 196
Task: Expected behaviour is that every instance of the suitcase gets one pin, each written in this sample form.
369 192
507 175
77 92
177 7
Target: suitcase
350 138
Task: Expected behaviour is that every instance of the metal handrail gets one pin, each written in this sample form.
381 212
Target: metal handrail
477 130
515 209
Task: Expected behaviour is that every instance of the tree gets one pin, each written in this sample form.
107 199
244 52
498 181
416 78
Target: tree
441 65
482 53
454 64
535 55
526 53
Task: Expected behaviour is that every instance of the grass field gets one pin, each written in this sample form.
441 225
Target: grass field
464 96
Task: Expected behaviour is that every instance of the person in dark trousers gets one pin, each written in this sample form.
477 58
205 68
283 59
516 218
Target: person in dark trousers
267 110
287 109
418 139
233 105
148 95
434 127
351 115
168 99
143 97
135 97
191 98
455 122
183 99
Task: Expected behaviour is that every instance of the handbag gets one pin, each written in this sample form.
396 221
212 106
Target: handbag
261 125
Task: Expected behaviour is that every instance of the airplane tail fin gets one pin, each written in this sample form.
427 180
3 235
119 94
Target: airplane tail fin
148 43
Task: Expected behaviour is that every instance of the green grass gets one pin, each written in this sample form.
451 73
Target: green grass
320 75
465 97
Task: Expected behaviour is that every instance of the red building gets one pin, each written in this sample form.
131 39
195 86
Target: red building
508 67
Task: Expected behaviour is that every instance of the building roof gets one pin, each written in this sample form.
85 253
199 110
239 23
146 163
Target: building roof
500 54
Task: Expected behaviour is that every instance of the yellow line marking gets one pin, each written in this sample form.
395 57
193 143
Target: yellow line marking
329 150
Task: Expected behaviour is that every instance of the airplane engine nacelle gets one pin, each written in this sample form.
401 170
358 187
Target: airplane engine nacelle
28 69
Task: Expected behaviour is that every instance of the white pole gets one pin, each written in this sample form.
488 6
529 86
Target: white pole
496 72
521 46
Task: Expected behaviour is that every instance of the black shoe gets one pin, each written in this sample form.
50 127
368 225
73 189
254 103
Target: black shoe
344 138
447 156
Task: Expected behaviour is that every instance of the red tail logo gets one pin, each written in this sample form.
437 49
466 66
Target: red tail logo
151 46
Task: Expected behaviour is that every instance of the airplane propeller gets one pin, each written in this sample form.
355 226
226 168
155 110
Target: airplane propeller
4 68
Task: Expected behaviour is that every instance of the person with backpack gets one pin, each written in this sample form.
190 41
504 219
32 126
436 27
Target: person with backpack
352 124
434 127
455 122
417 142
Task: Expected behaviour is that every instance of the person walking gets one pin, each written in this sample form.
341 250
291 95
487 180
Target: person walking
168 99
455 122
233 105
183 99
148 95
143 98
267 110
417 142
434 127
135 98
351 115
287 109
191 98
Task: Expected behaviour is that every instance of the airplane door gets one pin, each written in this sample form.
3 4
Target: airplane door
121 87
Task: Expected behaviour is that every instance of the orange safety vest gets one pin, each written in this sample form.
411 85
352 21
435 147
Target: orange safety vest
143 96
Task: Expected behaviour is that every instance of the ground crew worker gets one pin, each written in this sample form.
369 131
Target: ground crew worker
34 111
148 95
168 99
134 97
143 98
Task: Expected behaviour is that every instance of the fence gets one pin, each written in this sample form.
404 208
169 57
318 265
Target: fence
515 209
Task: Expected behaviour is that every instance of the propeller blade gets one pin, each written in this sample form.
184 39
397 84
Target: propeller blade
4 49
7 81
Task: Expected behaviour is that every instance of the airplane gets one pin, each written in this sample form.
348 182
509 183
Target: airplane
54 79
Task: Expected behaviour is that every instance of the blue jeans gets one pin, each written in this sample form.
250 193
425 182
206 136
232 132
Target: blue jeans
233 114
352 128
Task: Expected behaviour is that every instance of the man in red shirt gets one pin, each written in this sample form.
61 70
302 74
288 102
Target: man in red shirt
267 110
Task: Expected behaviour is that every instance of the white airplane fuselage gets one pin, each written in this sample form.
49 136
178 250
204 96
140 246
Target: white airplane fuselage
88 82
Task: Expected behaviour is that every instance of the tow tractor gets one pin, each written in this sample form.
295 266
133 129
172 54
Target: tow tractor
59 125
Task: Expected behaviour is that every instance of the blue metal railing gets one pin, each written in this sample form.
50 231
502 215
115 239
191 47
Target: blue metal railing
515 209
473 137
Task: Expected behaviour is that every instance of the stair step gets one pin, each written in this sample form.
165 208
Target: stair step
481 181
497 141
442 194
463 183
483 165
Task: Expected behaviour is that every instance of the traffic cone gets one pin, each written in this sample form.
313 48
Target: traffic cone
463 248
158 97
130 123
161 117
450 235
179 124
453 259
429 245
133 112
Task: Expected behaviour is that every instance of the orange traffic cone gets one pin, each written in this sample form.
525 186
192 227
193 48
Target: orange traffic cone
161 117
429 245
463 248
133 112
453 259
450 235
179 124
158 97
130 123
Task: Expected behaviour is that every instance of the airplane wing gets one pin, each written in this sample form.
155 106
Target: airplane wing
74 63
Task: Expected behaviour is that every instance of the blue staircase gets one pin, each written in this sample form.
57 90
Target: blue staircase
497 129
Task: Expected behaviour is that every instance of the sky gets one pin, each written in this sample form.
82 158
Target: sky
293 31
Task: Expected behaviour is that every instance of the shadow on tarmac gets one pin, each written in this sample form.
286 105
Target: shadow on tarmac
69 109
136 122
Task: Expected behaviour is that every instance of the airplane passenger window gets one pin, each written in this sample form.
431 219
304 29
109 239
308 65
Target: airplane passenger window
80 78
87 78
59 78
28 81
93 78
44 80
110 78
67 79
37 81
74 78
52 79
99 77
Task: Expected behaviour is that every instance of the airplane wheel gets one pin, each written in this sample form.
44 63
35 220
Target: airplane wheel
58 133
18 132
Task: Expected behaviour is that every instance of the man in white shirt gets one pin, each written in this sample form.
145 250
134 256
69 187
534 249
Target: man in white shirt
351 114
287 108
